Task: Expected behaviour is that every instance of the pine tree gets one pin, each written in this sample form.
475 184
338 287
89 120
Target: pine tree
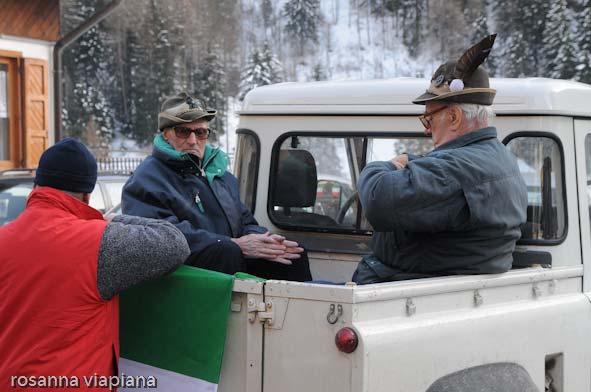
519 39
87 108
412 18
517 62
318 73
535 12
267 10
303 17
145 79
272 63
163 44
153 67
481 30
584 61
381 8
209 82
262 69
409 13
560 61
448 30
129 64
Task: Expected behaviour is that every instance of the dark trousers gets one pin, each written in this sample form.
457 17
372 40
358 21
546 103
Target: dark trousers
227 257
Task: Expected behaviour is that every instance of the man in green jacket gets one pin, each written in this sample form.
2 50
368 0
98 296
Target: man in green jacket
185 182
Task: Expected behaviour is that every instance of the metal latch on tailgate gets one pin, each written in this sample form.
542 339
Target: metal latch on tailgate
264 310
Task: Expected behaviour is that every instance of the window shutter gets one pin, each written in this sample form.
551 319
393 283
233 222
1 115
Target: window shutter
36 107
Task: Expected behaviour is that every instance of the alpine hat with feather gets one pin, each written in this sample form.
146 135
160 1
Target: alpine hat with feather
462 81
183 109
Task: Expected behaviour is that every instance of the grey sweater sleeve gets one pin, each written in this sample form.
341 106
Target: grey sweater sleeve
135 249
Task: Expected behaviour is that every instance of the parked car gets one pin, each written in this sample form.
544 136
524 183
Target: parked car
15 186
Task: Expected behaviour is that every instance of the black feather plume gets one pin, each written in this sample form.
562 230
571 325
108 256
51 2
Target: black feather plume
473 57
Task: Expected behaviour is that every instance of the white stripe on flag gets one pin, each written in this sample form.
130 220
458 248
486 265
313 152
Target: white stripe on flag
167 381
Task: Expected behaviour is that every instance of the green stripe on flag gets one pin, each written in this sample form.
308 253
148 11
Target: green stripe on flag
178 323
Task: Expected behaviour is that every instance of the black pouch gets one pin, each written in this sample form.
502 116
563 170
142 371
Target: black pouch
371 270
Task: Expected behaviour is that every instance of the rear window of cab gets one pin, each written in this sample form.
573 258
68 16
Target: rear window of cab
313 185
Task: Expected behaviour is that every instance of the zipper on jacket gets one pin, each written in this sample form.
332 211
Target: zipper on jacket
202 171
216 197
199 203
204 164
198 199
213 154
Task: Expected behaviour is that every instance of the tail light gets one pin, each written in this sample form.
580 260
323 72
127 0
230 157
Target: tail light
346 340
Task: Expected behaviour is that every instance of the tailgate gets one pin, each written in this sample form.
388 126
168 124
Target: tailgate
299 341
242 364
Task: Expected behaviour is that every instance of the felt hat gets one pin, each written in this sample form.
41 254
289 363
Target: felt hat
183 109
67 165
464 80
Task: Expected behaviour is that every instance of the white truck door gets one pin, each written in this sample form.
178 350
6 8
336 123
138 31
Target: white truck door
583 156
242 365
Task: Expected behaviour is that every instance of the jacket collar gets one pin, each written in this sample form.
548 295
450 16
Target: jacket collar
469 138
54 198
213 165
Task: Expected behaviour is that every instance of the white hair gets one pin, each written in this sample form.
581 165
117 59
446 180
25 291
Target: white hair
482 114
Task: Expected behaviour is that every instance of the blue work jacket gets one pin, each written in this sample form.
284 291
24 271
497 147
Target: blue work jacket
200 198
456 210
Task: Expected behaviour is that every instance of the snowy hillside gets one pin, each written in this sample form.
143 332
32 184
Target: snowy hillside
116 75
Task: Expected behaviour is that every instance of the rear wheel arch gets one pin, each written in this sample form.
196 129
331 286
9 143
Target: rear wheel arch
496 377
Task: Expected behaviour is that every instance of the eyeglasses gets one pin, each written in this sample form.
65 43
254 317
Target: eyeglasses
426 118
185 133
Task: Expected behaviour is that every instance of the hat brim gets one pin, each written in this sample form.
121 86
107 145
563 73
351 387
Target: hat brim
479 96
166 120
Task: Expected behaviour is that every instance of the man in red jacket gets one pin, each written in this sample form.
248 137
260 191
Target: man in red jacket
61 268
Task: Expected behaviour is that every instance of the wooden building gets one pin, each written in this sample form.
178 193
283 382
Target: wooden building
28 32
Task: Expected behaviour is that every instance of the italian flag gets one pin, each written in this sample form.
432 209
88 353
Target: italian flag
174 329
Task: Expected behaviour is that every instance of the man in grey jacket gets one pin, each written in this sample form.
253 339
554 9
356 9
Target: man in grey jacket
458 209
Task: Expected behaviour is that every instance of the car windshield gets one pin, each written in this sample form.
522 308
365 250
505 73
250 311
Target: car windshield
114 189
13 198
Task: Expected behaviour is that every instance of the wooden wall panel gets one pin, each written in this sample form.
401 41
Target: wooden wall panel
38 19
36 100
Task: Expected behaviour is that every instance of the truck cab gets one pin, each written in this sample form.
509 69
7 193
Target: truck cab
301 147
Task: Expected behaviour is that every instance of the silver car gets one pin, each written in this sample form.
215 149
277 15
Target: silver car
15 186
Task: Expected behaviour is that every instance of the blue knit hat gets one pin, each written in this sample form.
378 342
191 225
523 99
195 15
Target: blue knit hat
67 165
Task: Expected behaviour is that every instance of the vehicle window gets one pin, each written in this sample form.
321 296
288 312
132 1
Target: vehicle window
13 200
114 190
246 167
384 149
540 163
314 183
588 165
96 199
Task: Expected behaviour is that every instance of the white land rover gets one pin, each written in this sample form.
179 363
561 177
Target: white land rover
525 330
